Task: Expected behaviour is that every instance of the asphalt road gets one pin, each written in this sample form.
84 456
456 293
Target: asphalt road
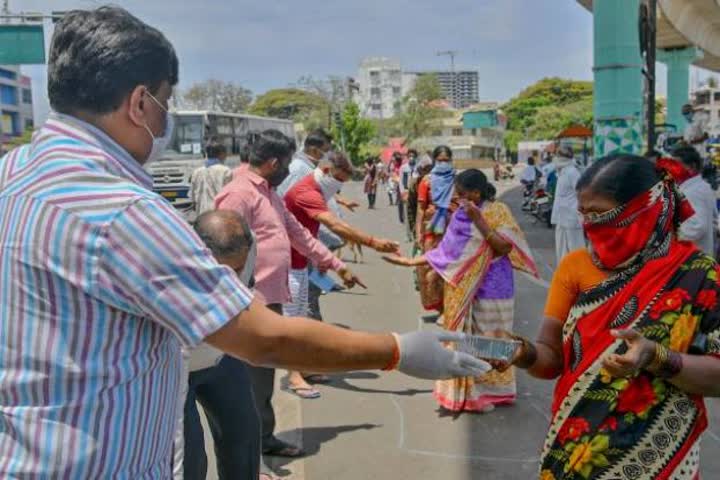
376 426
372 426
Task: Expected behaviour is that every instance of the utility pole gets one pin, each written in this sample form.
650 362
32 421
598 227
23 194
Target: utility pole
452 54
648 44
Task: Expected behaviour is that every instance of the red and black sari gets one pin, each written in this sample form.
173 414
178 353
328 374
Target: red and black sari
641 427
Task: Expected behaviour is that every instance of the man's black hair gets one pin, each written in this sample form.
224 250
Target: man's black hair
267 145
215 149
98 57
318 138
689 156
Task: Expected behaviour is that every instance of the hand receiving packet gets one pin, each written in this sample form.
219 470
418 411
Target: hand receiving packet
488 348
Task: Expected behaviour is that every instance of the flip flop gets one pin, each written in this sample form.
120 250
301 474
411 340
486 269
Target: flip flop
307 393
318 378
278 448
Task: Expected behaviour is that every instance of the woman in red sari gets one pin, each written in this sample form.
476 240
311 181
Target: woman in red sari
631 331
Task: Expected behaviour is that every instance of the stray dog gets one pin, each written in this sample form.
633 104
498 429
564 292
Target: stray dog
355 249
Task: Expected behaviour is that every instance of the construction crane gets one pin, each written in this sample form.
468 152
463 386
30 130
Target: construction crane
452 54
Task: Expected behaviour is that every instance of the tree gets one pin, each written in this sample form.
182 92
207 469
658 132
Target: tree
219 96
23 139
419 116
542 110
294 104
353 132
712 82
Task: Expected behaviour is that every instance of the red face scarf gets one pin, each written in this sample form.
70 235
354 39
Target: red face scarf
620 236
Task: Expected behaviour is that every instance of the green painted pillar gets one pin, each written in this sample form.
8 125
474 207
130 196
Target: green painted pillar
678 63
618 96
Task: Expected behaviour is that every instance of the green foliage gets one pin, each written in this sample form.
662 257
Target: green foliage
217 95
293 104
23 139
353 133
418 117
544 109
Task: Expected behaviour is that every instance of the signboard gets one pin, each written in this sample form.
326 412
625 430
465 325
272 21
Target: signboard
22 44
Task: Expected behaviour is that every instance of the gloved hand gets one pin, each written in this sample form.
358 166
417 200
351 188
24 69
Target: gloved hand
422 355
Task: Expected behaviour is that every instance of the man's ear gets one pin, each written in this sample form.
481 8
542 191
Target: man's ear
137 104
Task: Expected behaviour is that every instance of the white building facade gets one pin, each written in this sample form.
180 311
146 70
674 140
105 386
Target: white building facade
382 87
708 99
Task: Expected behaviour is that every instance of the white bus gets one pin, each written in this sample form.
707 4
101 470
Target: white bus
186 151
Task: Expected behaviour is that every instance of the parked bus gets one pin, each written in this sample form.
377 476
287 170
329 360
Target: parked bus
186 151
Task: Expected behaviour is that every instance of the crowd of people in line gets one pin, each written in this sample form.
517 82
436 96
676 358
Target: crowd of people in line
119 316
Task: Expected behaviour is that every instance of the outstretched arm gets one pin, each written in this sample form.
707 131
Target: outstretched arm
348 232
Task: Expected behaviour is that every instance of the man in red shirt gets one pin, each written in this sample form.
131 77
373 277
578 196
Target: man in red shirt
307 201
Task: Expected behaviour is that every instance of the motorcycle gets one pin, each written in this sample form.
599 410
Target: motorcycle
541 206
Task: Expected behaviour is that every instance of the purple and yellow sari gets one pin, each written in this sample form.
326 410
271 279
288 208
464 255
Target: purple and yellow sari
478 297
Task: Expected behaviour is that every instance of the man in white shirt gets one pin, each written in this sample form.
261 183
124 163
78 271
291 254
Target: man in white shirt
568 230
220 383
700 228
696 132
206 182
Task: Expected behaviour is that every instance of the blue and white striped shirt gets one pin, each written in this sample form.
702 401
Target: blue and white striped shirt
101 282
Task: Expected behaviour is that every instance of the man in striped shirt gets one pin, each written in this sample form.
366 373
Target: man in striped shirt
102 282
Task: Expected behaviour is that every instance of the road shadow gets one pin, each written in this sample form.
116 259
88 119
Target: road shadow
341 382
313 439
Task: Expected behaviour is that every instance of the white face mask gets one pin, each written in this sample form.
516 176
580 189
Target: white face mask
329 185
160 143
248 270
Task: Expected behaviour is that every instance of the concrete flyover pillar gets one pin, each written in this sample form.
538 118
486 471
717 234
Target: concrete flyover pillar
618 95
678 61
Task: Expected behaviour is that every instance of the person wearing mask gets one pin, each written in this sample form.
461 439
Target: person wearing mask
207 181
407 171
307 200
251 194
103 282
220 383
568 229
435 193
696 131
421 170
476 258
700 227
630 334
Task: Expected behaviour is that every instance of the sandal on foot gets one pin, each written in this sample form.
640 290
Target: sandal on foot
307 393
278 448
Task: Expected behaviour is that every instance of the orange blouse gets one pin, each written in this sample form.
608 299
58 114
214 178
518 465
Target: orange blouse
575 274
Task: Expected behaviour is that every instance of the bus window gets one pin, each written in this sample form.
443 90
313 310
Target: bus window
188 137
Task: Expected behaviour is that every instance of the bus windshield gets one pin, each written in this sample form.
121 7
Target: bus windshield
188 135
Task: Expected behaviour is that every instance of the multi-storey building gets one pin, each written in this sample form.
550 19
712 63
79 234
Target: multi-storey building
460 88
381 87
16 102
708 99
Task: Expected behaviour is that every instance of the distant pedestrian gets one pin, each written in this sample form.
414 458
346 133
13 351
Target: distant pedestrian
568 229
696 131
700 228
207 181
397 167
370 182
423 168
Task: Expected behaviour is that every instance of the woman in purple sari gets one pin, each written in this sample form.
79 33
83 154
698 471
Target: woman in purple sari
476 257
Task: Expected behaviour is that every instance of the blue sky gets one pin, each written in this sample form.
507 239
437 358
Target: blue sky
271 43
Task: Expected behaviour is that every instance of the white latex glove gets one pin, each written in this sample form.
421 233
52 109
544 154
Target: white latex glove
423 355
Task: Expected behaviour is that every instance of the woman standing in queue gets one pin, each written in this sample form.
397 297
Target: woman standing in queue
631 332
476 257
434 198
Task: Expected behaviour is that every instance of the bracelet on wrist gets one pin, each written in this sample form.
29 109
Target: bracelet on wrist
529 354
666 363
